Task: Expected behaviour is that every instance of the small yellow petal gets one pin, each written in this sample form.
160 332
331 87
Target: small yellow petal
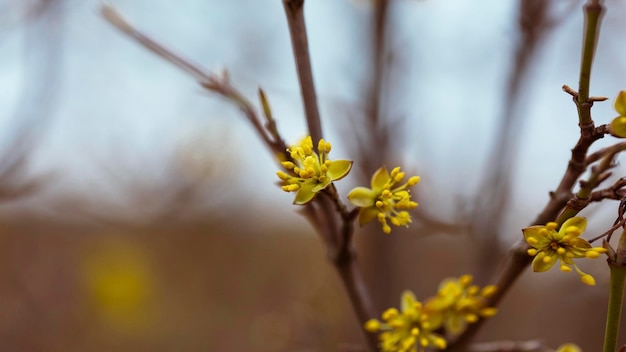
620 103
466 280
362 197
305 194
288 165
540 264
440 343
413 181
390 313
579 223
367 214
617 127
488 312
379 179
338 169
372 325
588 279
283 176
489 290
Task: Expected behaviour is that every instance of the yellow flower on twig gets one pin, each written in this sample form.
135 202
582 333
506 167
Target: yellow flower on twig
458 303
410 329
385 200
310 172
564 245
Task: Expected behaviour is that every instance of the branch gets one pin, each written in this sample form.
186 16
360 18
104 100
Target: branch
341 252
593 15
519 259
297 30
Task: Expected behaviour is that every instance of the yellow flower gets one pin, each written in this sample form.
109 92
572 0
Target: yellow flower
310 172
564 245
569 347
384 201
618 125
458 303
409 330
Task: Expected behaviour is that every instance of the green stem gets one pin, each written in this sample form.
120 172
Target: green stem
616 296
593 12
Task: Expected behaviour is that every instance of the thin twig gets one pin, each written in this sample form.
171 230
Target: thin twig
615 192
597 155
208 80
599 173
115 18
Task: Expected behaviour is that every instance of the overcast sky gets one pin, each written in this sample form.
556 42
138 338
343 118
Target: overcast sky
115 103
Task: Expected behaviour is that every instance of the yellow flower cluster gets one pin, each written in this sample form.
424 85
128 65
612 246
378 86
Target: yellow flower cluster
564 245
386 200
310 172
408 330
457 303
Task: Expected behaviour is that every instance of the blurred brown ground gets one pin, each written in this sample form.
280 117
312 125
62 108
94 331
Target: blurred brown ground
224 286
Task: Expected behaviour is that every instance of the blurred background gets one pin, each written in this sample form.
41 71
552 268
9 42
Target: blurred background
139 213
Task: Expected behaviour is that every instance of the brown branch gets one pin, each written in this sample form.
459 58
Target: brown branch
341 252
595 156
352 278
519 259
294 10
615 192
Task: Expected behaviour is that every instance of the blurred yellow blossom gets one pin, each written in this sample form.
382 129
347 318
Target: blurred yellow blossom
564 245
568 347
119 284
407 330
458 303
310 172
385 201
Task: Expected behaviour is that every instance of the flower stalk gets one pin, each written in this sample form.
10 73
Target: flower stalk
617 266
613 317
